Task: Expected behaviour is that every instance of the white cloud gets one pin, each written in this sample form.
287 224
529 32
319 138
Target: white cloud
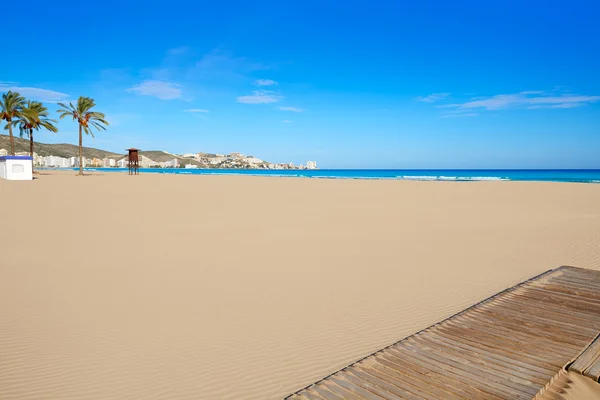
196 110
525 99
287 121
293 109
260 97
265 82
178 50
49 96
161 89
458 115
532 92
221 64
432 98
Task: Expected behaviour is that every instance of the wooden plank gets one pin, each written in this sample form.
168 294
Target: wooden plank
588 357
516 325
467 372
368 385
527 354
384 384
424 385
593 371
487 391
425 369
482 351
331 386
322 392
507 370
353 388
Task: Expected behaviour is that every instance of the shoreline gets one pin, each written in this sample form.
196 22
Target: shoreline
531 175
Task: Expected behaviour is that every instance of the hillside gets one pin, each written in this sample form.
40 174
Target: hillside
161 156
60 150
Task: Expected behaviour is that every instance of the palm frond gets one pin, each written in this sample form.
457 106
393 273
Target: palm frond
11 105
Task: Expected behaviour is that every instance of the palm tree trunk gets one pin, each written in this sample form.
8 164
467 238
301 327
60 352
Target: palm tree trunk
80 152
12 139
31 147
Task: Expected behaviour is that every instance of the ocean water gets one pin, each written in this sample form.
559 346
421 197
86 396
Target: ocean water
550 175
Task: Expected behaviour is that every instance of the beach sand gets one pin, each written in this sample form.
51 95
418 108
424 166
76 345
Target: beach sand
238 287
568 385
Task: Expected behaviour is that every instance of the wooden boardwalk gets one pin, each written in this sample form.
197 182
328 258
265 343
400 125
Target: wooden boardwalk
580 376
506 347
588 362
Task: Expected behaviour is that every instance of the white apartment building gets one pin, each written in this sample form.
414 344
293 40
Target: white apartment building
122 163
74 162
108 162
311 165
53 161
191 166
3 152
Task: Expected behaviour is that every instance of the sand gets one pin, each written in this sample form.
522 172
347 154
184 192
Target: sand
236 287
567 385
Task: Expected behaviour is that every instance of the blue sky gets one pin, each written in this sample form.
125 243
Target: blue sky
383 84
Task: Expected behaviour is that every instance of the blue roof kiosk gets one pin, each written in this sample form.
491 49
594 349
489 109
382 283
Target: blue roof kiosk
16 168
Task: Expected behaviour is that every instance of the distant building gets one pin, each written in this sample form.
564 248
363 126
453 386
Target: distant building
311 165
191 166
122 163
108 162
3 152
74 162
56 162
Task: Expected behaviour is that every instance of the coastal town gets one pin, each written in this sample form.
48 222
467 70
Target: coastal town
189 161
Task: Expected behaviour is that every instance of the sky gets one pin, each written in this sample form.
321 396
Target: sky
356 84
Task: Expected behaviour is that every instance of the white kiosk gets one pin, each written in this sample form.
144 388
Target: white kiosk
16 168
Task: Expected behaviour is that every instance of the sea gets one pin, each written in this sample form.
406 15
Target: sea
542 175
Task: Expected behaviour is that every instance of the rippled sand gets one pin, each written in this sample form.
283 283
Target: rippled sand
231 287
568 385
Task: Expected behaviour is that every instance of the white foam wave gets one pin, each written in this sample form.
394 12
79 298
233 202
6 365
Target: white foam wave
452 178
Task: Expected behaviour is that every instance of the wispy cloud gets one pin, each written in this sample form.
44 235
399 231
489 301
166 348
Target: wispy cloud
178 50
196 110
221 64
33 93
260 97
287 121
432 98
293 109
527 99
452 115
265 82
163 90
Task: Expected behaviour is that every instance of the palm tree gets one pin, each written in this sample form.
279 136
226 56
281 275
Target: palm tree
86 120
10 107
33 115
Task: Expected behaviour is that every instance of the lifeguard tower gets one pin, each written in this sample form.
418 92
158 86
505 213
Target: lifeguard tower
133 161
